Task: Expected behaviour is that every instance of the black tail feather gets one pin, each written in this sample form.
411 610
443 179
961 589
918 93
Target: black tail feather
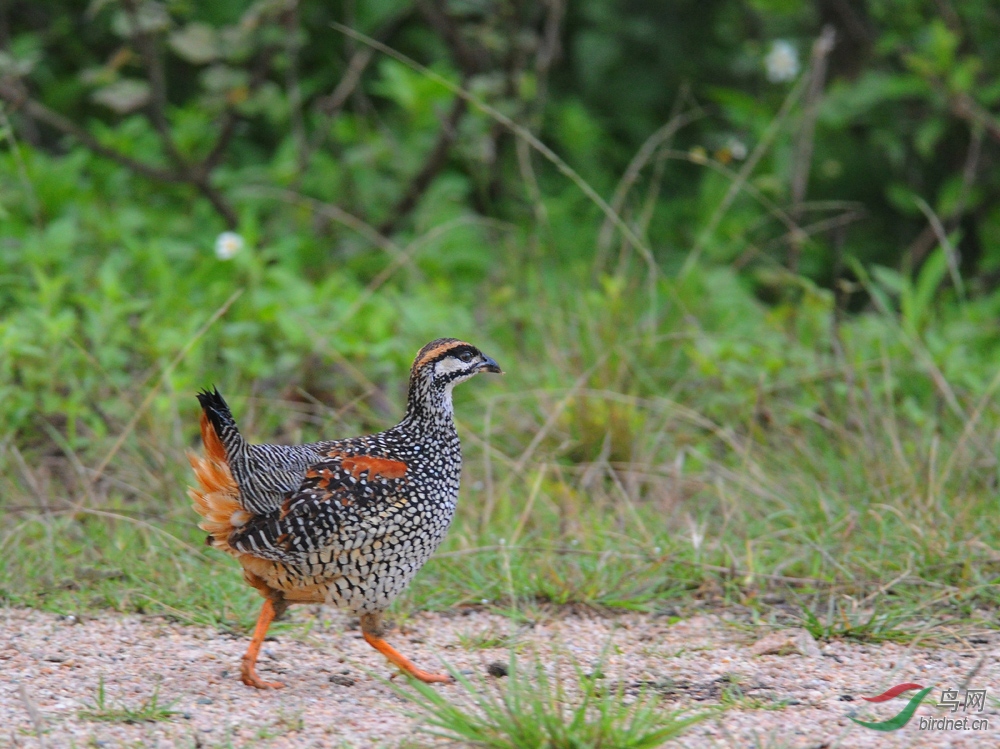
217 411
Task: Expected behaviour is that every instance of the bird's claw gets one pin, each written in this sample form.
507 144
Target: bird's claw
250 678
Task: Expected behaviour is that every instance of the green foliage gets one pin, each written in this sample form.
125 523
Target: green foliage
840 625
532 707
738 421
149 711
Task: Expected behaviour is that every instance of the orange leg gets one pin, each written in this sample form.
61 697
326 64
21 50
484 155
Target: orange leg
248 668
402 662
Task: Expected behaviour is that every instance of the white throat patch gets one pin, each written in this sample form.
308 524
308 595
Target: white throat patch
448 365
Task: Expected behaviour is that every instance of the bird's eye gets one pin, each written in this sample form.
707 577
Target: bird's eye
465 356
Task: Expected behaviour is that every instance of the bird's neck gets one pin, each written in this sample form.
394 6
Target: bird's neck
429 410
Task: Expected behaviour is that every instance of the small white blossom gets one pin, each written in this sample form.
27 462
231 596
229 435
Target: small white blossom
782 62
228 244
737 149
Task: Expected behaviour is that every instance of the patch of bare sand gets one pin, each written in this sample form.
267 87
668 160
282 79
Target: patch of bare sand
333 698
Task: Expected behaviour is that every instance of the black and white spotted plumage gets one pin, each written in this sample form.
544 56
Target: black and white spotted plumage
351 521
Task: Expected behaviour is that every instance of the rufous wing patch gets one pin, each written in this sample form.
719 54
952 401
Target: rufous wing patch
384 467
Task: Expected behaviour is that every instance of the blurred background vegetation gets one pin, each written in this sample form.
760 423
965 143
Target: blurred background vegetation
768 358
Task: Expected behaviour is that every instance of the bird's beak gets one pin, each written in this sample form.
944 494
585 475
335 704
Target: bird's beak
490 366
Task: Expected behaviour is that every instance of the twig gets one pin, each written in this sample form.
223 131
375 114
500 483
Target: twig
333 212
522 132
29 189
157 114
950 254
36 717
136 521
973 672
530 504
330 105
292 86
549 50
970 168
969 428
18 98
659 167
740 181
157 109
966 108
386 273
639 161
802 159
33 484
227 126
435 162
834 222
218 202
553 417
531 181
468 61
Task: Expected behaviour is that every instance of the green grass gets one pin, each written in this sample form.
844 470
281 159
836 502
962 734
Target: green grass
627 474
485 640
149 711
734 697
874 627
532 707
653 446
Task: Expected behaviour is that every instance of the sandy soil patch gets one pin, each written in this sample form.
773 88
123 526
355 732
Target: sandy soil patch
799 699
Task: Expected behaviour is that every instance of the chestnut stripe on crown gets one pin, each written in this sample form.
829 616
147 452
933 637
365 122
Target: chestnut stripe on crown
436 349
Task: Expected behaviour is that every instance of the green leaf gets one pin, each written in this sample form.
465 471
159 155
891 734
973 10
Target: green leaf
149 18
124 96
940 44
198 43
916 304
929 132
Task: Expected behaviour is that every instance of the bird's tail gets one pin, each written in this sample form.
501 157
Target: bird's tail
217 497
214 406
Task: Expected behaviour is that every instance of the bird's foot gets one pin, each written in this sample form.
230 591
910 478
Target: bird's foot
401 662
248 675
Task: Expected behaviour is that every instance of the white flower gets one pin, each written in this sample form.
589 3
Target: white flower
782 62
737 149
228 244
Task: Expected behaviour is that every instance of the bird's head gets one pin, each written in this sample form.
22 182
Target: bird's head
439 366
448 361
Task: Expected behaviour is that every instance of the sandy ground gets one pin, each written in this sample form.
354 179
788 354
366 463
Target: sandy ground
51 666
